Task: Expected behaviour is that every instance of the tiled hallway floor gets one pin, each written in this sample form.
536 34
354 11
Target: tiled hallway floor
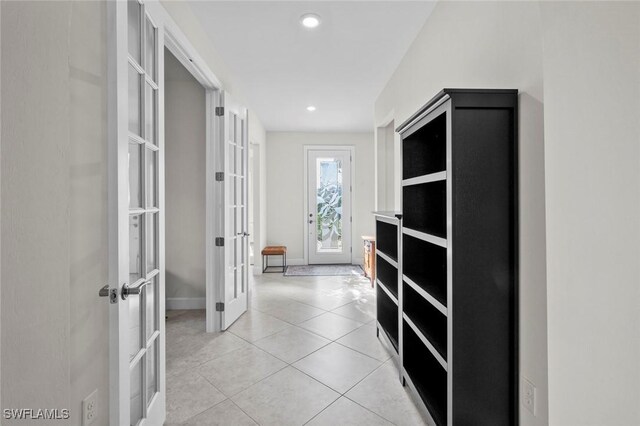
305 353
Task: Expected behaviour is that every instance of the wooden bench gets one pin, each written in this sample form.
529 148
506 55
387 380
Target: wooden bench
274 251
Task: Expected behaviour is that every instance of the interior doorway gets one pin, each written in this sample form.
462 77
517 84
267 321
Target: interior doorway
185 187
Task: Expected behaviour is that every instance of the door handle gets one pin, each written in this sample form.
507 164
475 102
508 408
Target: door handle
111 293
310 221
132 291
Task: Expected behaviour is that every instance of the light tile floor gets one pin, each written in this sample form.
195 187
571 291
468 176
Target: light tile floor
306 352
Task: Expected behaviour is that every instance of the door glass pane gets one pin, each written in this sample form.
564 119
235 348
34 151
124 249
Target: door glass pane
152 376
232 127
329 205
238 131
151 250
150 114
134 101
135 196
239 162
151 295
136 393
151 178
134 29
150 49
232 158
135 248
135 321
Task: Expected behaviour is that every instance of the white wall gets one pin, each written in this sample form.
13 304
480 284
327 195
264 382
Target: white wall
89 349
592 139
286 223
492 45
385 167
258 138
54 327
185 181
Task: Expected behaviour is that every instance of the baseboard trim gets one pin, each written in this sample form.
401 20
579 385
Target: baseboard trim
186 303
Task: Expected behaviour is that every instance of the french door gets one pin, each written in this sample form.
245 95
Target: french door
136 215
329 206
232 198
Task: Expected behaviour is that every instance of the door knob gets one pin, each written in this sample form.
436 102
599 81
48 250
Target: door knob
131 291
310 221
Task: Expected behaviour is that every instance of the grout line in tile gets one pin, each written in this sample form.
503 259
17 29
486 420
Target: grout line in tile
360 352
323 410
209 408
247 414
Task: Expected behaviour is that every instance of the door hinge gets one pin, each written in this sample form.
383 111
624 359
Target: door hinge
219 176
351 219
219 241
219 111
220 307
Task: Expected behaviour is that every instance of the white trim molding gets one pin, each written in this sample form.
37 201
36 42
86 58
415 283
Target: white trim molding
186 303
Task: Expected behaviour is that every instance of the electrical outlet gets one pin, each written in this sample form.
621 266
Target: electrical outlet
529 396
90 408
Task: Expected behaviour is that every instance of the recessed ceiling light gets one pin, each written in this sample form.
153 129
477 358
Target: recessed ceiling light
311 108
310 20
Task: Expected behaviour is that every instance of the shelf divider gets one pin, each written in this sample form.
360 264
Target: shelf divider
426 341
439 306
432 177
442 242
387 258
386 290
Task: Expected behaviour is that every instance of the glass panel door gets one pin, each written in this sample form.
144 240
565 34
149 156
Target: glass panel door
328 192
232 192
139 372
329 211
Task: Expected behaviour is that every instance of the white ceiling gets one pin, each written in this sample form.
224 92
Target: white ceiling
340 67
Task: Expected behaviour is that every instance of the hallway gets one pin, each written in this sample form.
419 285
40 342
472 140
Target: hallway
305 353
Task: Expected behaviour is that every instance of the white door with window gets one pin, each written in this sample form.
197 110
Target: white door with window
329 205
136 216
232 241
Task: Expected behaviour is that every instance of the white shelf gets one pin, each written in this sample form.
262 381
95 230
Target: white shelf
387 258
432 177
436 304
442 242
426 342
386 290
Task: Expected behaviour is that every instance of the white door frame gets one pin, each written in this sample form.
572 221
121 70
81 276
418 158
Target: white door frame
352 152
180 46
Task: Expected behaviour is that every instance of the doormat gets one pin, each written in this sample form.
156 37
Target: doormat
323 270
